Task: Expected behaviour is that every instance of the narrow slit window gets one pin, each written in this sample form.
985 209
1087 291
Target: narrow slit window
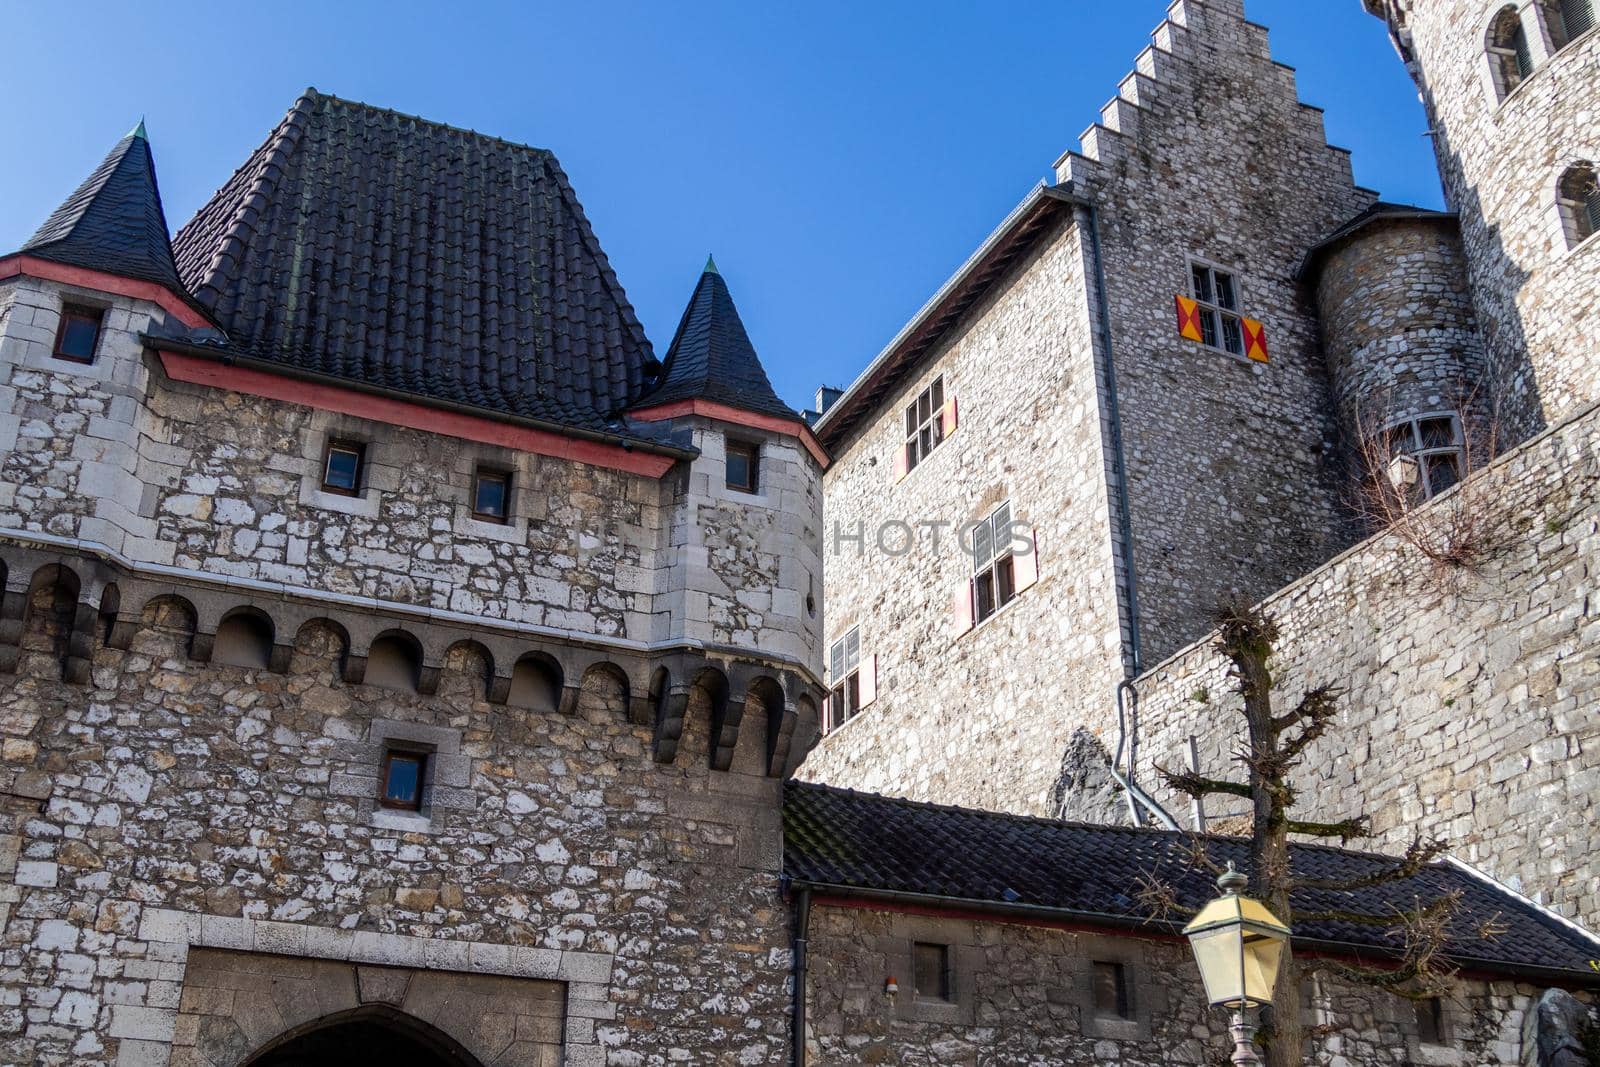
1430 1020
930 967
844 679
925 428
1111 990
1217 293
342 467
78 336
402 780
491 495
744 466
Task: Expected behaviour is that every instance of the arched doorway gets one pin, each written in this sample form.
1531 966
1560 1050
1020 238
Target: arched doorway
369 1034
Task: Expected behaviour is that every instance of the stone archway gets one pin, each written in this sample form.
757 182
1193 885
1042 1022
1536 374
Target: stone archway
373 1034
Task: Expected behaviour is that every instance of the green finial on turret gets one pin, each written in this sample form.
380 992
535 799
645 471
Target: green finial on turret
138 131
711 266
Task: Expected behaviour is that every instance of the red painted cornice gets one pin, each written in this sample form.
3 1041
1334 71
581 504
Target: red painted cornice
724 413
34 267
200 370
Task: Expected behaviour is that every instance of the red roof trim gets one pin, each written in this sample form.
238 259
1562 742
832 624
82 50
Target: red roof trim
723 413
34 267
198 370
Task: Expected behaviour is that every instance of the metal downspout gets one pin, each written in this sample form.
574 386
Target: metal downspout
1127 714
802 928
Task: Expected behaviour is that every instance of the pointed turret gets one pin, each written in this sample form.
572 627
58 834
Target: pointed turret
114 222
711 357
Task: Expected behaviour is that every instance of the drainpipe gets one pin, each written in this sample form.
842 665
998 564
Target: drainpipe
802 927
1127 712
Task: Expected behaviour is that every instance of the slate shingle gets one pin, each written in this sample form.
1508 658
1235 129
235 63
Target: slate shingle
837 837
113 222
403 254
711 357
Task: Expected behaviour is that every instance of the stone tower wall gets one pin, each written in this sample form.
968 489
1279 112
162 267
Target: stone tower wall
1537 299
1398 328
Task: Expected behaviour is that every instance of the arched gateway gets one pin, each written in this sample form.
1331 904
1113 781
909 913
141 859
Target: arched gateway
372 1034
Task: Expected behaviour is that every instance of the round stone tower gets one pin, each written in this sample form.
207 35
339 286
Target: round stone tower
1512 92
1399 332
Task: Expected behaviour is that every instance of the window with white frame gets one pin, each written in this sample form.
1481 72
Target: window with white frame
1217 293
1510 59
1578 199
925 427
993 563
844 679
1567 20
1427 454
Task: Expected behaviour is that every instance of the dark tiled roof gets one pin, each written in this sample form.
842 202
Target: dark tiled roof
113 222
403 254
1379 210
859 841
711 357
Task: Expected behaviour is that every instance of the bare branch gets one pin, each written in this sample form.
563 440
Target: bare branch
1419 854
1346 830
1195 785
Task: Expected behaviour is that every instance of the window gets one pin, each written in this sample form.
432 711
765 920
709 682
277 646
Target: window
1110 982
1510 61
744 466
1431 450
994 565
1568 20
1430 1020
341 467
491 495
925 423
930 968
1578 200
402 779
79 333
844 679
1217 293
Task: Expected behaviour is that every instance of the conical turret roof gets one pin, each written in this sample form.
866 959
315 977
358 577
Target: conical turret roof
711 357
114 221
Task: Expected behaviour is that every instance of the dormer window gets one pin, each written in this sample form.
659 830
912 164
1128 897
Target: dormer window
78 336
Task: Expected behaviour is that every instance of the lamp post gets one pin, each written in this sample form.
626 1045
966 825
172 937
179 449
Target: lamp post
1238 945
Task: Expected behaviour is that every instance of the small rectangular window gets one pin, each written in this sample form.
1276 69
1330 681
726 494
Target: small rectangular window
1111 990
341 467
1434 449
994 566
930 965
844 679
925 428
1430 1020
1217 293
402 780
491 495
744 466
78 336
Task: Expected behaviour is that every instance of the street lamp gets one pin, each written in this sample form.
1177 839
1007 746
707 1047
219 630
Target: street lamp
1238 945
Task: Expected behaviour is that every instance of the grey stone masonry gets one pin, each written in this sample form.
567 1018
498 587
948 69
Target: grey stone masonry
1024 994
1472 696
1502 154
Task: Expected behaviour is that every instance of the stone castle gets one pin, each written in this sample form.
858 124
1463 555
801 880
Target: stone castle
398 659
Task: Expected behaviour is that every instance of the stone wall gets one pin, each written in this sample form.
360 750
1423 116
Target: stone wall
1472 696
1501 161
1399 330
1023 995
173 475
167 806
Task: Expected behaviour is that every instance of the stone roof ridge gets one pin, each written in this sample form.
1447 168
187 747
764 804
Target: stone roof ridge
1175 45
712 358
114 221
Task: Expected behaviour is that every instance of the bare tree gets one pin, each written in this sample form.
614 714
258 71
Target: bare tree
1276 743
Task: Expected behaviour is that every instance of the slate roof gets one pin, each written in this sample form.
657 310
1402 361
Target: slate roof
868 844
114 221
711 357
406 255
1381 209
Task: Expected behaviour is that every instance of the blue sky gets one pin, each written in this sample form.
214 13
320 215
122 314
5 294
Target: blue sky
840 159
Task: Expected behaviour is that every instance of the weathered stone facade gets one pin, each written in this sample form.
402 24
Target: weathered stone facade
1022 994
1502 155
1472 703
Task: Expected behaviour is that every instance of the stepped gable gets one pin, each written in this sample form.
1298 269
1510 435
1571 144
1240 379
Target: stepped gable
711 357
842 841
379 248
1190 26
114 221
